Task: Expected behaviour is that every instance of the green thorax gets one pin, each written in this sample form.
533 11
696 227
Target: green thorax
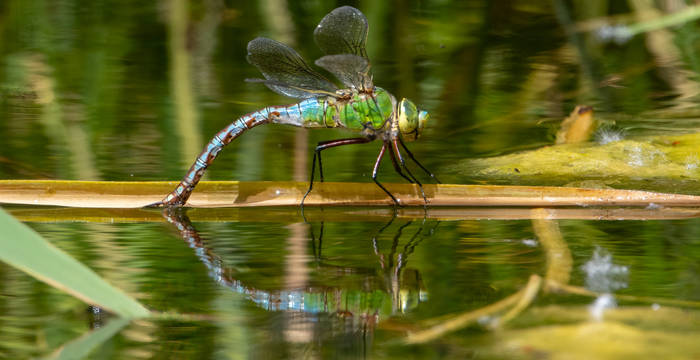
356 111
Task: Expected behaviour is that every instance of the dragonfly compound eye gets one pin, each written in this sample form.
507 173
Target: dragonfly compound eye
408 120
423 117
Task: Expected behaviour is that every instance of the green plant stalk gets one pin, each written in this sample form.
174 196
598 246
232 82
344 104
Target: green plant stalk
26 250
689 14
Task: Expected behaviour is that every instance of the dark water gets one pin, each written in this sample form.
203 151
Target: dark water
106 90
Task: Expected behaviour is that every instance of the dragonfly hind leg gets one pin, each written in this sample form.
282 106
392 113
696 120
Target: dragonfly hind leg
323 145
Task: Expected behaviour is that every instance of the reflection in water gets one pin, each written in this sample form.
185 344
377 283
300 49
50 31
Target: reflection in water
600 304
400 300
604 277
95 316
353 310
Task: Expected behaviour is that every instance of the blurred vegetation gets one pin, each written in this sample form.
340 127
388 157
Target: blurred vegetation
99 90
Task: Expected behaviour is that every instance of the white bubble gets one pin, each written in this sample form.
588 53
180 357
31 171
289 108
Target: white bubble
529 242
606 136
601 303
602 275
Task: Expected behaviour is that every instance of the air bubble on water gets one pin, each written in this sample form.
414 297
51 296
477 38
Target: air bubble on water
601 303
485 320
639 156
602 275
636 157
606 136
691 162
618 34
529 242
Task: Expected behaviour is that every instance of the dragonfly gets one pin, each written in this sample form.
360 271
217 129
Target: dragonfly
358 106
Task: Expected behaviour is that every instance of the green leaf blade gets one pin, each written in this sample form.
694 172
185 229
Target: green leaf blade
26 250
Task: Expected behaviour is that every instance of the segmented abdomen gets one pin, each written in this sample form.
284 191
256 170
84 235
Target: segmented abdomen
183 191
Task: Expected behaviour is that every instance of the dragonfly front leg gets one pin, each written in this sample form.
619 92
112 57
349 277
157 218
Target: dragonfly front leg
376 170
410 179
395 150
410 155
323 145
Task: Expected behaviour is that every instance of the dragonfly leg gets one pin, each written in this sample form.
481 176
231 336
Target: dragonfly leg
395 149
375 245
320 242
323 145
320 165
410 179
376 170
410 155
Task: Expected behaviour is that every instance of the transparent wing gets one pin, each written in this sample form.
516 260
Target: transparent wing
344 31
291 90
351 70
285 70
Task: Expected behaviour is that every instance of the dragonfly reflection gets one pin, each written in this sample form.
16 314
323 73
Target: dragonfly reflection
403 287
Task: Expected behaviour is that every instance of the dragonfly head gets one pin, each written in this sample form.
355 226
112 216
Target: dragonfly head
411 121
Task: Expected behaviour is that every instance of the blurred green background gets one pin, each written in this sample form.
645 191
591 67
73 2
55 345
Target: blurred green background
120 90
